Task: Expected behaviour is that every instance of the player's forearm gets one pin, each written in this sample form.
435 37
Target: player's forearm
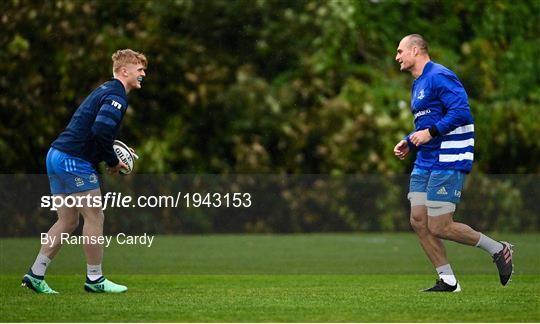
411 144
104 137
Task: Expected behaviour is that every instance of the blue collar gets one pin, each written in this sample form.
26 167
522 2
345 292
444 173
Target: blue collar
427 68
120 85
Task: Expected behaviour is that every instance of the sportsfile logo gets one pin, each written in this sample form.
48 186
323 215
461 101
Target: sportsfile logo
182 199
110 199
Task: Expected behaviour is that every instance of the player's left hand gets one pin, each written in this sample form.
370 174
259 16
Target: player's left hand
115 169
420 137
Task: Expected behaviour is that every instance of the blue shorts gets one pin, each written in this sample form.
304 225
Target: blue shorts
69 174
440 185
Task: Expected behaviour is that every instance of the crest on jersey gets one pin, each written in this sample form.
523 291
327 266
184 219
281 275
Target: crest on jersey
93 178
421 95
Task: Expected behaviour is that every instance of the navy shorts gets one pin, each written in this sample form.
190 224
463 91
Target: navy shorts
440 185
69 174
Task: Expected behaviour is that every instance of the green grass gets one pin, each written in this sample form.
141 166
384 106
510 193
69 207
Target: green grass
274 278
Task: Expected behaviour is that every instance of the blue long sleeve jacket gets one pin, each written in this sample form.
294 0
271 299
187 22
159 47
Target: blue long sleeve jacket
93 128
440 103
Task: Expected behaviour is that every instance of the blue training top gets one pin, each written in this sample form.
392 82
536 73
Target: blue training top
91 132
439 103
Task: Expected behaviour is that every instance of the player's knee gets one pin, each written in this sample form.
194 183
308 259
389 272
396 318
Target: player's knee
73 223
99 218
93 216
418 221
418 217
69 224
438 229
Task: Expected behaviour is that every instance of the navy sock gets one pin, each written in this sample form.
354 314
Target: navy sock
98 280
31 274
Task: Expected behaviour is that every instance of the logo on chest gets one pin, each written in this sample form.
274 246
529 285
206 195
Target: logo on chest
421 95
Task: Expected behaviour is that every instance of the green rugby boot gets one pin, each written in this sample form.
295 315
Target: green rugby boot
103 285
37 285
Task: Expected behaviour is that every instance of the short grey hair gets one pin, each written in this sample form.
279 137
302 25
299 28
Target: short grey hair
418 41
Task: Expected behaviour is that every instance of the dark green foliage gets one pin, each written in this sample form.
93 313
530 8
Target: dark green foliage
268 86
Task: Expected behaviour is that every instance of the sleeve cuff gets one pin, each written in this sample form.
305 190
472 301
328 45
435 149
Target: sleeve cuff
434 131
114 162
411 145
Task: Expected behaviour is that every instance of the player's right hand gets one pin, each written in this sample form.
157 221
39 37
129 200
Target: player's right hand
401 149
116 168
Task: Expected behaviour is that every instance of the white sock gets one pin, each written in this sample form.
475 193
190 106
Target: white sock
40 265
489 245
93 271
446 274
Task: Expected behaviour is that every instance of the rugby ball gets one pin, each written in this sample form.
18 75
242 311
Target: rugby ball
125 155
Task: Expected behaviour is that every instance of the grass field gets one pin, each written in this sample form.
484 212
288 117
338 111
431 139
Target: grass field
274 278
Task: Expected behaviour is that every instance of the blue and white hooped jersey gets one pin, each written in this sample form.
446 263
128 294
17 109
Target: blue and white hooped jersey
440 101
